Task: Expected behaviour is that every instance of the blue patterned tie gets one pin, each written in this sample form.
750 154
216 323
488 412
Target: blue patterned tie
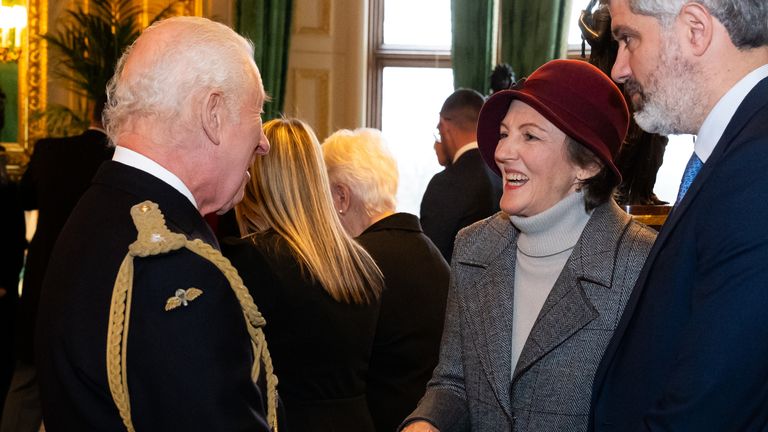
693 167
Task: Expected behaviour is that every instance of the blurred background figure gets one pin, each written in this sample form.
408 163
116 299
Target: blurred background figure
317 288
642 153
12 244
466 190
502 77
364 177
58 174
537 290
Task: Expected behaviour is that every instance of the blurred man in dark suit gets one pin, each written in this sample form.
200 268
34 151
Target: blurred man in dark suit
59 172
466 191
12 244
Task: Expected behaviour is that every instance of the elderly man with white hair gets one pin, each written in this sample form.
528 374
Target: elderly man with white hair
142 323
364 177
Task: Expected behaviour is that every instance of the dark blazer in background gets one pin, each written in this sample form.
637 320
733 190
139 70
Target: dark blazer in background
473 387
461 194
188 368
690 351
320 347
58 174
407 343
12 244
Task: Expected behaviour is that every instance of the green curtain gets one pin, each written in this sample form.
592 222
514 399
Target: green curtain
533 32
471 55
268 24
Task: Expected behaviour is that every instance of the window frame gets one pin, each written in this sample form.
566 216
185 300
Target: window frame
381 56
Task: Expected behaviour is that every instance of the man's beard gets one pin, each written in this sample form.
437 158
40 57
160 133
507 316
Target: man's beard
670 102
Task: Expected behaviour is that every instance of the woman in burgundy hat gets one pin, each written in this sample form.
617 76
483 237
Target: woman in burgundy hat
536 290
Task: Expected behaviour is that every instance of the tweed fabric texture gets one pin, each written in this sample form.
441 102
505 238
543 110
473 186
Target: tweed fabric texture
551 386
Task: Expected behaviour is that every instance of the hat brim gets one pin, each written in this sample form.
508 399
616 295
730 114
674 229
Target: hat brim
495 109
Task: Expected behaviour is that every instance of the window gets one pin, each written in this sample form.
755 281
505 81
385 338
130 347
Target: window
409 78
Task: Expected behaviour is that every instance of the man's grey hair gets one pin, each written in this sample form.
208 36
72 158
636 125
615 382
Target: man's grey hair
205 56
745 20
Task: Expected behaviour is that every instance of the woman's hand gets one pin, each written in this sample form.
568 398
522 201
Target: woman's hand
420 426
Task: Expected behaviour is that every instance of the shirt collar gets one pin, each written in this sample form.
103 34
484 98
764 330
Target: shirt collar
465 148
139 161
717 120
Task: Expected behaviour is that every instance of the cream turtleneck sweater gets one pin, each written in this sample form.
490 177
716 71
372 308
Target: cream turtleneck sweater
543 247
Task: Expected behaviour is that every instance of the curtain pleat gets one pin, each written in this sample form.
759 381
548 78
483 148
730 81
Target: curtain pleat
268 24
533 32
472 25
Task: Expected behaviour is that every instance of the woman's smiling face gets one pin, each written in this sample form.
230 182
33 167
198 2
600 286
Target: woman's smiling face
534 163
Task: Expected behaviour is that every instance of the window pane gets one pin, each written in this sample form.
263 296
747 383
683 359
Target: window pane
411 102
574 32
418 22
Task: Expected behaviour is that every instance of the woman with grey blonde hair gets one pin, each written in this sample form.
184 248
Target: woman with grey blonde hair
363 180
316 287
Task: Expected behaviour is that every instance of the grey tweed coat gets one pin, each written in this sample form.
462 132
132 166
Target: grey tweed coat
471 388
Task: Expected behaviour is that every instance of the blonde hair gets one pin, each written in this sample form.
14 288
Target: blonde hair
289 192
361 160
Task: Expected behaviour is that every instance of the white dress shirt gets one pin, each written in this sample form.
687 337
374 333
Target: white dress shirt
465 148
143 163
717 120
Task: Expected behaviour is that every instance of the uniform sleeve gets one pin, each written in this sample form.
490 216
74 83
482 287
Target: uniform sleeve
189 368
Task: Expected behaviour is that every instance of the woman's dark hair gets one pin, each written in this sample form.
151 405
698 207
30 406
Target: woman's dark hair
599 188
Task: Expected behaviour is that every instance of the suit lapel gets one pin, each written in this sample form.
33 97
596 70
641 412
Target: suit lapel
568 307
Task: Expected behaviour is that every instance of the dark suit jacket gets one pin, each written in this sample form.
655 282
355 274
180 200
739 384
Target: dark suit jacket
320 347
690 351
12 244
461 194
59 172
473 387
407 343
188 368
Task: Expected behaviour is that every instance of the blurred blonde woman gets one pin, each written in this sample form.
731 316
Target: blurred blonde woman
316 287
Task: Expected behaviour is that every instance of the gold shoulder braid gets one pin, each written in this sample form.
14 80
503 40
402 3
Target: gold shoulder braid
154 238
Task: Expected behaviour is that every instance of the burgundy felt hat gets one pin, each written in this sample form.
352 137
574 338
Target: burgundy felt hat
575 96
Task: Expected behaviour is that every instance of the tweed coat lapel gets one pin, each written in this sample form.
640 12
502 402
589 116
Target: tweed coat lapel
568 307
491 266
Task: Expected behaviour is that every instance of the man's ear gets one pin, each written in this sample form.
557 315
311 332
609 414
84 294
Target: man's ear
698 25
212 112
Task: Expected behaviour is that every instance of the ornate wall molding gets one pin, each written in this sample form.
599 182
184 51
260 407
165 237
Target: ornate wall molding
316 82
321 20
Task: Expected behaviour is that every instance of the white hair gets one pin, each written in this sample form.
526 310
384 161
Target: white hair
745 20
361 160
202 56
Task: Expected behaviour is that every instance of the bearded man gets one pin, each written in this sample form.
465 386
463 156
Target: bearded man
689 353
